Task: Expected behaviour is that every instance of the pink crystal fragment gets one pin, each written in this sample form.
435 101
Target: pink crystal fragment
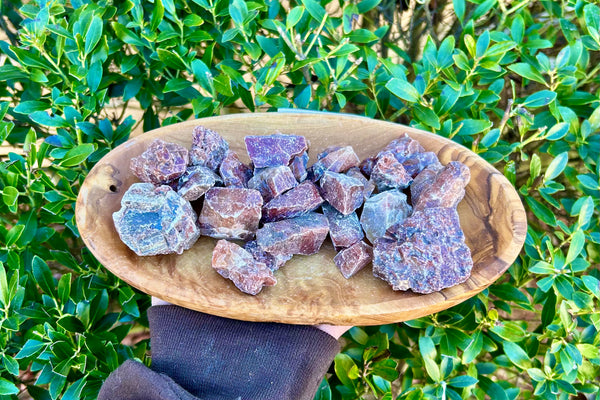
423 180
366 166
234 172
446 189
274 150
427 252
233 262
161 163
196 181
353 259
403 147
343 192
389 173
273 262
298 166
230 213
300 235
155 220
369 186
382 211
300 200
334 159
419 161
344 230
208 148
273 181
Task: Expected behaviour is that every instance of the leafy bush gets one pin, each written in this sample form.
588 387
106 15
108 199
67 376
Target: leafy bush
517 83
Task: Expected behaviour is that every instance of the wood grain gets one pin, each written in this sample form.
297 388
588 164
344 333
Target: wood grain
310 289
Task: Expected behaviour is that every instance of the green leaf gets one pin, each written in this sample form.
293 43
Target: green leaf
586 211
517 355
93 35
367 5
30 348
74 391
403 89
540 99
358 335
528 72
462 381
11 365
459 9
473 126
204 76
176 84
27 107
517 29
43 118
315 9
558 131
577 243
343 364
588 182
171 59
238 11
43 275
157 15
294 17
427 116
541 211
4 291
362 36
10 195
7 388
77 155
557 166
14 234
483 43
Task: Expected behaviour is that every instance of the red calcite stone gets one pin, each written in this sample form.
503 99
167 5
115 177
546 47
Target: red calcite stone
382 211
233 262
273 262
369 186
298 166
230 213
161 163
389 173
234 172
273 181
419 161
403 147
344 230
334 159
274 150
343 192
366 166
196 181
300 235
446 189
353 259
208 148
300 200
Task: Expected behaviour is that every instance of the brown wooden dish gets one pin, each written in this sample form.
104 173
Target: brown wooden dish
310 289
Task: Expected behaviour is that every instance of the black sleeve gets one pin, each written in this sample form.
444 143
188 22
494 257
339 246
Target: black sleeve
214 358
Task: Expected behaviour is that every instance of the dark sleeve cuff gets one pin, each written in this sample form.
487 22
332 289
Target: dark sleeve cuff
217 358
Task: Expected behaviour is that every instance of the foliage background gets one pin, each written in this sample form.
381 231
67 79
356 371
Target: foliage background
517 82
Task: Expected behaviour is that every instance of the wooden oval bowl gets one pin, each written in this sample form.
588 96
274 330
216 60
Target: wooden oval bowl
310 289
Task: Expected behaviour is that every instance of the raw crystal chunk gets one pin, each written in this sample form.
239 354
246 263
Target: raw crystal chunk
334 159
353 259
230 213
298 166
274 150
196 181
344 230
419 161
366 166
161 163
423 180
233 262
234 172
155 220
403 147
446 189
273 181
300 200
343 192
389 173
369 186
208 148
271 261
300 235
382 211
430 254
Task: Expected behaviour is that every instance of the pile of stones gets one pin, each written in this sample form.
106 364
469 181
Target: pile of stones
408 225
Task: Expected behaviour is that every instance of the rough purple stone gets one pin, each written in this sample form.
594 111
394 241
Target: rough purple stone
155 220
208 148
274 150
369 186
273 181
366 166
430 254
447 189
423 180
273 262
389 173
419 161
403 147
344 230
300 235
234 172
300 200
298 166
353 259
161 163
230 213
196 181
233 262
334 159
382 211
343 192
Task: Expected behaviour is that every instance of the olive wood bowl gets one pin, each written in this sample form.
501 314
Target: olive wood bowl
310 289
